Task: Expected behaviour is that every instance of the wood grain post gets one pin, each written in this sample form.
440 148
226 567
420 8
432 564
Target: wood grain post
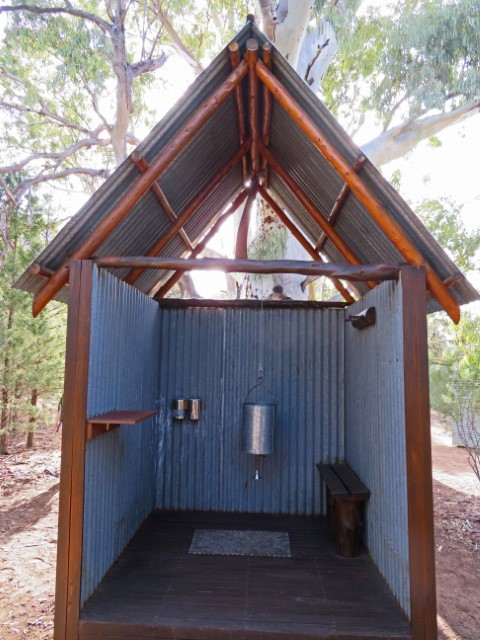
70 518
419 457
251 57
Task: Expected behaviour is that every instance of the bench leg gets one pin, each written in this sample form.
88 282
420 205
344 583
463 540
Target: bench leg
348 535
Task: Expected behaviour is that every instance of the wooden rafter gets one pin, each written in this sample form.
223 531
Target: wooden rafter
295 231
356 273
235 60
144 182
190 209
143 165
267 112
251 58
174 278
305 201
391 229
339 202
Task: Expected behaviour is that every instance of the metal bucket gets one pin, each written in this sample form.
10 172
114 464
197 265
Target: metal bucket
258 420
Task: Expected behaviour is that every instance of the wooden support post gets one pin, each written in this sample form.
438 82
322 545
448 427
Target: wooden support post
392 230
377 272
144 182
143 165
191 208
419 457
296 233
242 233
70 528
235 60
305 201
172 281
251 57
339 202
267 112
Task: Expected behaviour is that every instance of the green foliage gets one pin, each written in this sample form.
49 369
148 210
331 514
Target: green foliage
443 218
32 349
269 243
422 56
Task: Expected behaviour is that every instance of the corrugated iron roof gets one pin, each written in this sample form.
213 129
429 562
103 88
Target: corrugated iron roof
209 150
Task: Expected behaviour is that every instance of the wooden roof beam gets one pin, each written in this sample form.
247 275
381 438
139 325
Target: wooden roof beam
251 58
356 273
339 202
143 165
267 113
295 231
235 60
190 209
144 182
172 281
305 201
391 229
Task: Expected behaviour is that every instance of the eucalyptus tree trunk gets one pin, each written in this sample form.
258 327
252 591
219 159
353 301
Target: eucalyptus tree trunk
310 52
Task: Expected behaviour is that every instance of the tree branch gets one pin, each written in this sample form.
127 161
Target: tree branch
147 66
177 40
69 10
59 175
398 141
9 194
56 155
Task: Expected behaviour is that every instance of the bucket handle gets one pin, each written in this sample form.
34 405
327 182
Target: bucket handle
260 382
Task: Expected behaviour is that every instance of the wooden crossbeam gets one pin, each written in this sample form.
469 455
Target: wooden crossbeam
362 273
295 231
339 202
172 281
235 61
144 182
392 230
191 208
143 165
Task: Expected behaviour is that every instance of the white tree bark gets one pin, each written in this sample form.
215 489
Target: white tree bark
285 23
398 141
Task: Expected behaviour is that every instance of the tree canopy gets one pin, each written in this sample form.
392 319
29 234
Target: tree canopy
82 80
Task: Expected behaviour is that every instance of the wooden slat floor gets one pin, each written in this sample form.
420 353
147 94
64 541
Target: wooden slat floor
157 590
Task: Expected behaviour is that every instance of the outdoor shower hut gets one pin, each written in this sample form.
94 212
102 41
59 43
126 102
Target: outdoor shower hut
132 495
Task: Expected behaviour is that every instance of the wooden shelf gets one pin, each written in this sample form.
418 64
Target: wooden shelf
113 419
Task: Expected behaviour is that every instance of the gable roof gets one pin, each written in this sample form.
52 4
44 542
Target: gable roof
200 173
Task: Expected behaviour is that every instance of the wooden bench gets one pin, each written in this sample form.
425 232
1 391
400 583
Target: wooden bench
346 494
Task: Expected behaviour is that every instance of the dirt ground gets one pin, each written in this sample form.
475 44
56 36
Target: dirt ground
29 483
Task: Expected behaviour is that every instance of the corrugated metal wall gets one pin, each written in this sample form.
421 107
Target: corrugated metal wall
215 354
120 466
375 431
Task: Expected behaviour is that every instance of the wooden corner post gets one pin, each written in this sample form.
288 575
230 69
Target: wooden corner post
419 457
70 518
